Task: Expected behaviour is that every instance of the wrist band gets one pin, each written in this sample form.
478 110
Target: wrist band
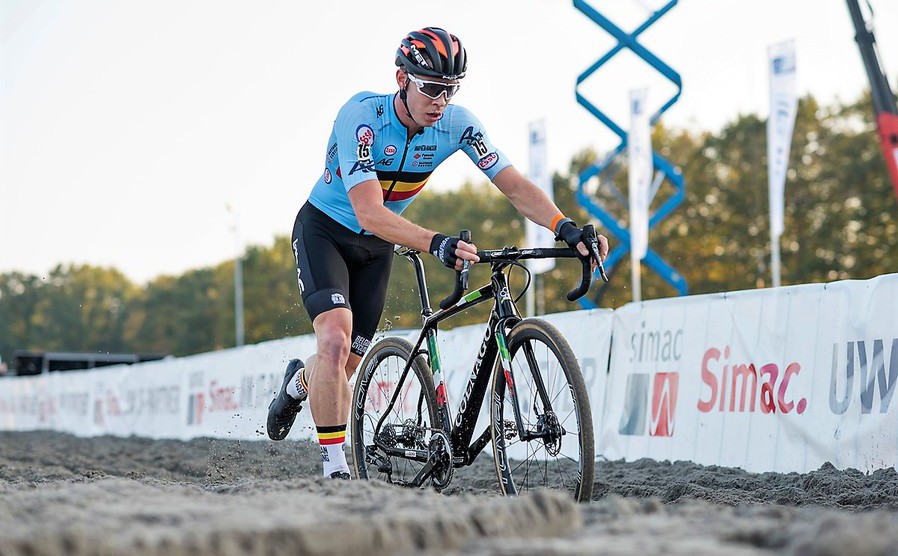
558 218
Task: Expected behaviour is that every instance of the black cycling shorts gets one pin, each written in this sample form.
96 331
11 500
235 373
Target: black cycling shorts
337 267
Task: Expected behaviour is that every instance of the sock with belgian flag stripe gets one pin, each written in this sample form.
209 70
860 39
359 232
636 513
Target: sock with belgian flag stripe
331 440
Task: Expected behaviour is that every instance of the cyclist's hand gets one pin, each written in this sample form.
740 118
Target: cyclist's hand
452 251
568 232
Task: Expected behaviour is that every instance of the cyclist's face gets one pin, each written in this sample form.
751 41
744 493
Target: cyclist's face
426 111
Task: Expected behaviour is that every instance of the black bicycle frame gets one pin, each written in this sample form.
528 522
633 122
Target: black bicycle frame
502 317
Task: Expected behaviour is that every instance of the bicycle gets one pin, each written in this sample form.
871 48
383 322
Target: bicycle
402 430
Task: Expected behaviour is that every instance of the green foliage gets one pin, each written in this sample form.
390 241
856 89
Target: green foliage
840 222
74 308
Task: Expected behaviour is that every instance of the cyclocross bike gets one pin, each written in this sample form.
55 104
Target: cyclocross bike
402 430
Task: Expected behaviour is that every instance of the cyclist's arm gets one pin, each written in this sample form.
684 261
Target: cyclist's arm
533 203
529 199
367 202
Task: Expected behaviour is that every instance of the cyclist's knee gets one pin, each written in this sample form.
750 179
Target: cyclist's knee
333 331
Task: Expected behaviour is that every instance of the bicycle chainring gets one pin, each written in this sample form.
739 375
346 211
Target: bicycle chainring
441 457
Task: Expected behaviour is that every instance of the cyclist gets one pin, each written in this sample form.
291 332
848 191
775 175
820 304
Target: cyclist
380 154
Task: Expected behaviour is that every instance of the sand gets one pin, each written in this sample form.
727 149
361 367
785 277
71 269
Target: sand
60 494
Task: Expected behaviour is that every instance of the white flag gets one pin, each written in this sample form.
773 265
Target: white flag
639 153
538 236
783 109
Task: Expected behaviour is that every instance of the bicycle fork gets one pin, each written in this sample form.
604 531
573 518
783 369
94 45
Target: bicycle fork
548 429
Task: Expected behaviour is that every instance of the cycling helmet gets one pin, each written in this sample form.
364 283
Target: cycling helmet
432 52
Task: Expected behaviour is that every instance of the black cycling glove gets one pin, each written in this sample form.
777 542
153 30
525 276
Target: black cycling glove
567 231
443 247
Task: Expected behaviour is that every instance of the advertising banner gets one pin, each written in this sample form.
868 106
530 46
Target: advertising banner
768 380
782 379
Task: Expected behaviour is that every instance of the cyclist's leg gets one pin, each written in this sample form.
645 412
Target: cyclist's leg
323 262
368 282
329 391
369 260
343 337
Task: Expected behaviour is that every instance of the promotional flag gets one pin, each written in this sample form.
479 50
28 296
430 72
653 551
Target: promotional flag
639 153
783 109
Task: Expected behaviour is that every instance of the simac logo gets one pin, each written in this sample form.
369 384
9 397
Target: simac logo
646 392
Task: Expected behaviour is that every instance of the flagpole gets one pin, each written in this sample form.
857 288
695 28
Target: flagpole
775 259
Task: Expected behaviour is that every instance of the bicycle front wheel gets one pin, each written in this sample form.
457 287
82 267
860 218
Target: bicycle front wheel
391 412
553 445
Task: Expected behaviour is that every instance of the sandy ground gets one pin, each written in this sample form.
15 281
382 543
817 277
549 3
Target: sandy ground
64 495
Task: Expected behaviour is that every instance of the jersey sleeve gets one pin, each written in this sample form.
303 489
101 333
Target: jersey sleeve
471 137
354 128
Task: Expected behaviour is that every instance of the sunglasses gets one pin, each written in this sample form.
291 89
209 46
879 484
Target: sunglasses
433 89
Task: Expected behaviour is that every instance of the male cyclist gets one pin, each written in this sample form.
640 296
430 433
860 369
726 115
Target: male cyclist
380 153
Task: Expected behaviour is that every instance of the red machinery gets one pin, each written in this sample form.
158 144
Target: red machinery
883 100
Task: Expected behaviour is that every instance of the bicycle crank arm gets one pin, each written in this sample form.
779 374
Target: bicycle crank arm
421 456
424 474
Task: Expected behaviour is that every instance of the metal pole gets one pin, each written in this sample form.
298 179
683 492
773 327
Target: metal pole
238 299
775 260
238 282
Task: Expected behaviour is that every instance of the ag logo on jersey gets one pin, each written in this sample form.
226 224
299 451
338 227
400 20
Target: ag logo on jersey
470 138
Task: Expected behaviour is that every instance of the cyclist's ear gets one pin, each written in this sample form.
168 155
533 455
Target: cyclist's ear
402 80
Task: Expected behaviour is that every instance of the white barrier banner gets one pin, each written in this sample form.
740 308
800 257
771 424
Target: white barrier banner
781 379
218 394
226 393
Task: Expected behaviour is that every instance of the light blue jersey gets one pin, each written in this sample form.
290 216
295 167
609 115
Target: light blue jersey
369 142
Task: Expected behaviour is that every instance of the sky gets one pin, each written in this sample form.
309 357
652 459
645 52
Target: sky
160 136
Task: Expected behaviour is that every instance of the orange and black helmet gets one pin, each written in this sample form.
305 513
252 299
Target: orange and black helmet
432 52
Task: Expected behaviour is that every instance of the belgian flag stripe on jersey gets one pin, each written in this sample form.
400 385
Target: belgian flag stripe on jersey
407 184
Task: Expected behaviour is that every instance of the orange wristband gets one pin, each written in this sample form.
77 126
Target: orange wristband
558 218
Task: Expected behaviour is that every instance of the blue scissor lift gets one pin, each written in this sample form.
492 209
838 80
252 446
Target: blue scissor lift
606 165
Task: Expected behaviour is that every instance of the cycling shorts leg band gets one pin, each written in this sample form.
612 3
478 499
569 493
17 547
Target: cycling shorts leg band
324 300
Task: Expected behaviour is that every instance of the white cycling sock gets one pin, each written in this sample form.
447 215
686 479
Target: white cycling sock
297 388
332 440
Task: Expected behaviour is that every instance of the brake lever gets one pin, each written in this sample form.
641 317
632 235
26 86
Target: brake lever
461 276
592 243
465 236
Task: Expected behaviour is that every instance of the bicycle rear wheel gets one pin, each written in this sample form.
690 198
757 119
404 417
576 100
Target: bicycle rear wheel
407 423
556 449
